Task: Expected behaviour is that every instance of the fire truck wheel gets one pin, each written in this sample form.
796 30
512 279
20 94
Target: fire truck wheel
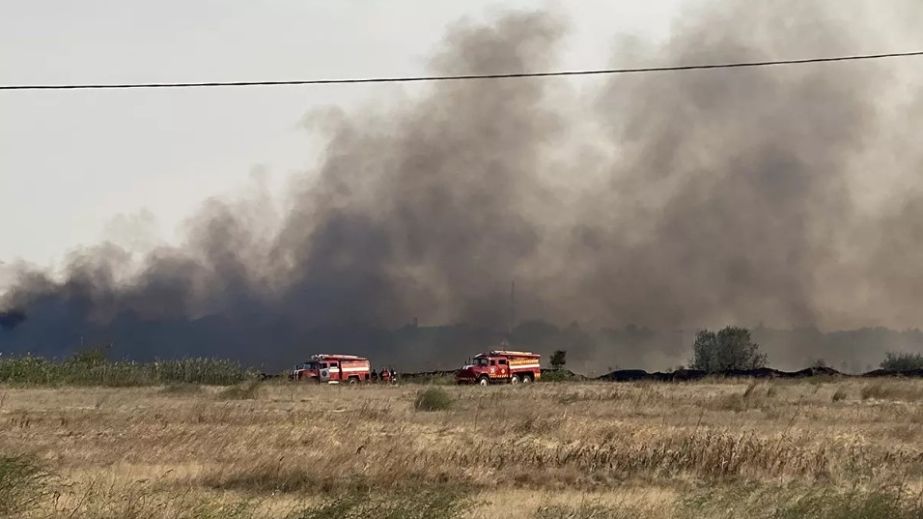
483 381
353 381
526 379
514 379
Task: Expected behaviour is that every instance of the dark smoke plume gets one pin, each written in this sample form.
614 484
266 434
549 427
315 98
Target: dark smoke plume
670 201
11 318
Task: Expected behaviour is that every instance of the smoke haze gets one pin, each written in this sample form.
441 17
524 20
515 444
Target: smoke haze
788 196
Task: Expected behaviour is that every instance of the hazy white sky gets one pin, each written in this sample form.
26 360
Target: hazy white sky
81 166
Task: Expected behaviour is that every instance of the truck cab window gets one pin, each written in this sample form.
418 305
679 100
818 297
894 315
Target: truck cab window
502 362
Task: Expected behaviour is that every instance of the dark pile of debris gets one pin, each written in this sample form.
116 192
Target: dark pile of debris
631 375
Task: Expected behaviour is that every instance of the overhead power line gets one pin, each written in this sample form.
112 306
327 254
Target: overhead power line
511 75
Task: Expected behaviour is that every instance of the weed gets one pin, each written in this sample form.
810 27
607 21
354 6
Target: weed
22 484
534 424
916 416
424 503
881 504
181 389
249 390
432 399
750 388
838 395
907 433
591 396
734 403
883 391
266 476
142 501
800 503
875 390
587 511
771 391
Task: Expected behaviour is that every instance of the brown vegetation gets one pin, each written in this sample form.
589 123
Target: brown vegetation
656 450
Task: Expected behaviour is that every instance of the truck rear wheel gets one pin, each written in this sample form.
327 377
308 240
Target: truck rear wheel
526 379
353 380
483 381
514 379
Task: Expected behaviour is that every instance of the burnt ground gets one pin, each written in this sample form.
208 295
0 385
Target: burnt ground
681 375
629 375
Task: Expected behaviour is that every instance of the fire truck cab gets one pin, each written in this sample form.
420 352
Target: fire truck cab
334 369
501 366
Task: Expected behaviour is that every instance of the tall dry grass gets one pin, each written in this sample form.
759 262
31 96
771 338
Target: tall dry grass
648 450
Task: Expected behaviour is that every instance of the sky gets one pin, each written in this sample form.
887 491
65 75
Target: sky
79 167
788 196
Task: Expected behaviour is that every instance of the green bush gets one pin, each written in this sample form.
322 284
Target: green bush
432 399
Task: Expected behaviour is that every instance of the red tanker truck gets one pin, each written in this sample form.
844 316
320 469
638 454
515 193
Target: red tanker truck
501 366
333 369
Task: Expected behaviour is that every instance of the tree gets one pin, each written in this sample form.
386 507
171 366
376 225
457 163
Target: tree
902 361
91 356
558 359
730 348
819 363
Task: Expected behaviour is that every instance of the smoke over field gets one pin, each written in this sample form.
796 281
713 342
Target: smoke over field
783 195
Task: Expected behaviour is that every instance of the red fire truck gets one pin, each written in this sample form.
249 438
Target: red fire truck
334 369
501 366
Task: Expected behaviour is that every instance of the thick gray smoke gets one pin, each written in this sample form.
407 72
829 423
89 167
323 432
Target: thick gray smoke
670 201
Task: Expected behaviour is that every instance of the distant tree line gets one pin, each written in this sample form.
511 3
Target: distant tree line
732 348
902 361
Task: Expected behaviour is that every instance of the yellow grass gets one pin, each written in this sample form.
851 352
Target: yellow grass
546 450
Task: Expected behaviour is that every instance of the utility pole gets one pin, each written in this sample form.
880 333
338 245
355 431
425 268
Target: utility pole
512 323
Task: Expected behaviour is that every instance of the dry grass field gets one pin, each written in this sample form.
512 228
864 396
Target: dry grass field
715 449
